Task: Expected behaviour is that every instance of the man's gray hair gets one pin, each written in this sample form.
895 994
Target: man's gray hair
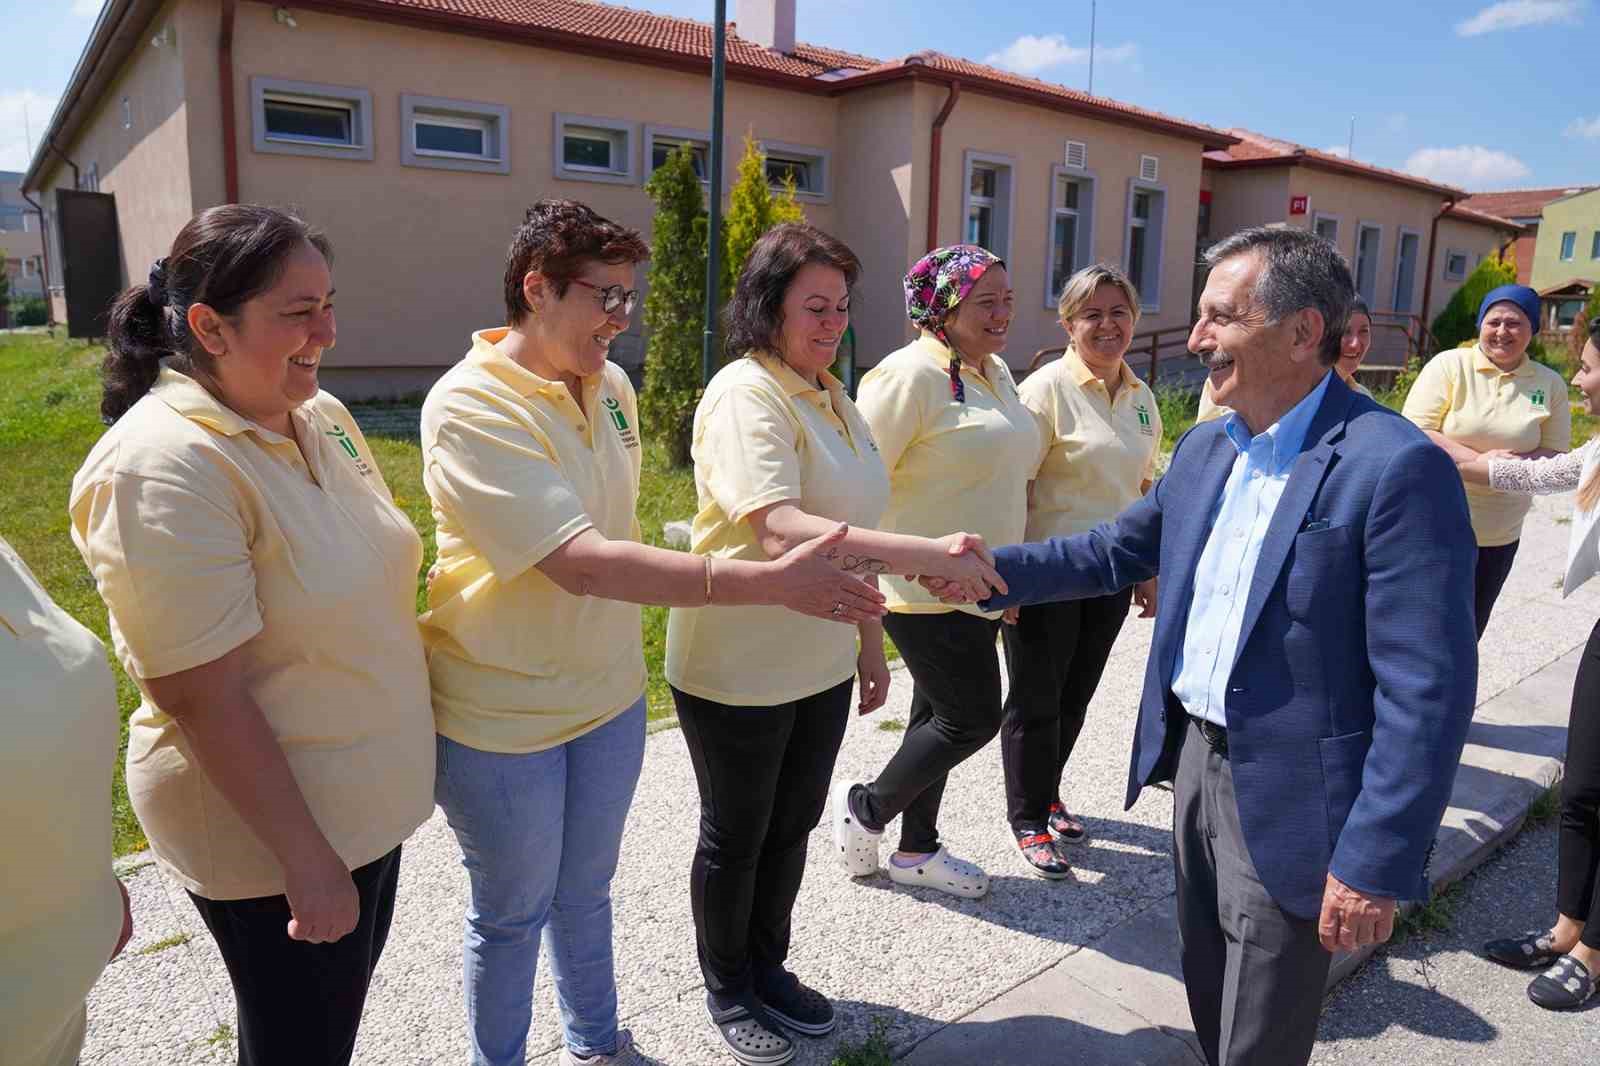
1299 270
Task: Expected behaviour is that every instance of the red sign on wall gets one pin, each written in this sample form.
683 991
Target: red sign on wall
1299 205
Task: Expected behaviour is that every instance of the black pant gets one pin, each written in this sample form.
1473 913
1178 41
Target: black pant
299 1002
1055 655
1494 566
1579 861
763 774
955 710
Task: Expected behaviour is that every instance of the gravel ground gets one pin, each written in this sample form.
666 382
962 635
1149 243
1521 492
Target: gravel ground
912 960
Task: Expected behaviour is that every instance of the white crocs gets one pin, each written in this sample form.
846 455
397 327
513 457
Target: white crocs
856 845
944 872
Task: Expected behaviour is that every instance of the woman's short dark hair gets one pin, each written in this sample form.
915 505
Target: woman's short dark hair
755 314
558 238
223 257
1594 330
1358 306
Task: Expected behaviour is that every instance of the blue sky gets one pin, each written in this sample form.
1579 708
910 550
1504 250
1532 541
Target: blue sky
1477 93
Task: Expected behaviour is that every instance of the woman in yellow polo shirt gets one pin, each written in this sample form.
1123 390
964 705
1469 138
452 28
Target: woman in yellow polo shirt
63 914
960 446
531 458
1353 348
780 453
1101 433
262 591
1492 397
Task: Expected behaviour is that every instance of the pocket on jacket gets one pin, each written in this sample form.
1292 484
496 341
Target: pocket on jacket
1343 759
1322 574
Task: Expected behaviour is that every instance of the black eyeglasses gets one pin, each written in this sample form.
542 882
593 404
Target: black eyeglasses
613 297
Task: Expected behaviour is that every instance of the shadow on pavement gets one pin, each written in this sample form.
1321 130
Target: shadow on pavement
1423 1010
1043 1040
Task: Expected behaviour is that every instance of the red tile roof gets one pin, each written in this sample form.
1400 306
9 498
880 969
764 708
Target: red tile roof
1519 203
1257 149
1468 214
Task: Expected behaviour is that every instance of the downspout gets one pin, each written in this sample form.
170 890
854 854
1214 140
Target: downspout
230 147
1427 282
44 247
936 142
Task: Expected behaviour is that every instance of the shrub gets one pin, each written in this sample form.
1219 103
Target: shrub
1458 322
675 304
752 210
28 311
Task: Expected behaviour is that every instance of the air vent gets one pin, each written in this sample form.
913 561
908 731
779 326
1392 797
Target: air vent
1149 168
1077 155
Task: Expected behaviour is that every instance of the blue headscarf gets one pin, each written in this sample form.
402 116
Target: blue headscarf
1521 297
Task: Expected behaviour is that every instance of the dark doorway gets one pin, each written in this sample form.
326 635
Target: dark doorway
92 268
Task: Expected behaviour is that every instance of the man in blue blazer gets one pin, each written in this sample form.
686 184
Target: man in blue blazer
1314 665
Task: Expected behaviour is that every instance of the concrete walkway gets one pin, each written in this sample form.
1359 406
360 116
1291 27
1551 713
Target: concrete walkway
1080 972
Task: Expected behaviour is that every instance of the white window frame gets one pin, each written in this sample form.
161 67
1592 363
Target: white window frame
1319 217
1005 167
1594 245
1417 270
1566 255
627 175
493 119
1154 166
677 134
1371 298
1066 156
819 159
30 269
1083 253
358 101
1465 264
1149 295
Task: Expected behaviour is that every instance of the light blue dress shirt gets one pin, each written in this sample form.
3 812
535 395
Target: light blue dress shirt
1228 561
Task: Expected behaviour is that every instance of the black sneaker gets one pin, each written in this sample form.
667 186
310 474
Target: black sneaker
1567 985
1065 826
795 1006
1039 851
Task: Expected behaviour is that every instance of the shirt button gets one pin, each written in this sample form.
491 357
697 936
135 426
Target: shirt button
1224 590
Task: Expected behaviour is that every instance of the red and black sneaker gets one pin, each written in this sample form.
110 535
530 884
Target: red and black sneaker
1039 849
1069 828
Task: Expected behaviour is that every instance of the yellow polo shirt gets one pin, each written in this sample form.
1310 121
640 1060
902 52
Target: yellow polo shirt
207 533
1463 395
953 467
762 435
60 911
1098 451
515 469
1209 408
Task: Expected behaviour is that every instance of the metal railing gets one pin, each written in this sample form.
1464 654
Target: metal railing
1147 350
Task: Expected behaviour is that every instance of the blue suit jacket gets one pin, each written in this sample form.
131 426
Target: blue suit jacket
1357 668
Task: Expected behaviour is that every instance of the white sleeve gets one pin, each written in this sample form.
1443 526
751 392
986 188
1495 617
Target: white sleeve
1537 477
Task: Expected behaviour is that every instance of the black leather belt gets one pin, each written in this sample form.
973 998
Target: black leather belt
1216 737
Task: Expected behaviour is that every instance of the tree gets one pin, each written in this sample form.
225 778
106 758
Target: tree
752 210
1458 322
675 303
5 285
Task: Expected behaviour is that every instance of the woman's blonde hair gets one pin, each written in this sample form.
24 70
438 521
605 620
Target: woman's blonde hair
1080 289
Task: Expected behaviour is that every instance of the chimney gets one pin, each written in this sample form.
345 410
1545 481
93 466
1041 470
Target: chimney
769 23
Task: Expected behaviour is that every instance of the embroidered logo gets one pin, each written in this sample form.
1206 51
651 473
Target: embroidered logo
630 439
1145 426
1537 399
349 446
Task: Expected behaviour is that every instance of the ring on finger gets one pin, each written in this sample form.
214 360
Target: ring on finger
838 608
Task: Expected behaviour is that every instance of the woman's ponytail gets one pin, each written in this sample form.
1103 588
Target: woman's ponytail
138 338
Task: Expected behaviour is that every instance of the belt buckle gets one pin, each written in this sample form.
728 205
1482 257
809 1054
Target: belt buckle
1216 737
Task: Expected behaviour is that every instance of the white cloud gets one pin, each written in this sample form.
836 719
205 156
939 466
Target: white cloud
1340 150
14 132
1515 14
1588 128
1030 55
86 8
1471 166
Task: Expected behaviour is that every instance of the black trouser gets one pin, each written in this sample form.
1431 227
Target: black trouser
1055 655
955 710
1579 862
1494 566
763 774
299 1002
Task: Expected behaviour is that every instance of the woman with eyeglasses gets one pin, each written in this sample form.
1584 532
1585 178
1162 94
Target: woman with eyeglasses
531 458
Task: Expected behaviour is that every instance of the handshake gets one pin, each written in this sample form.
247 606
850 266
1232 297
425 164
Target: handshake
962 571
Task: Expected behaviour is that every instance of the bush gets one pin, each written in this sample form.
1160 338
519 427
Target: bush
28 311
1458 322
675 305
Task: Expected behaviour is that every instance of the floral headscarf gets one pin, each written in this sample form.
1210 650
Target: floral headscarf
937 283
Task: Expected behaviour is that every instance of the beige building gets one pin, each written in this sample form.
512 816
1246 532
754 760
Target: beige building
1566 264
21 244
1524 207
417 135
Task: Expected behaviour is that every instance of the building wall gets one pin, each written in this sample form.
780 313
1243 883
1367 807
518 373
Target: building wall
1477 240
1579 214
20 239
1254 196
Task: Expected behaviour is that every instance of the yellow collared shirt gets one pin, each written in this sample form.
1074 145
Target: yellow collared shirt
515 469
207 533
1099 451
762 435
1463 395
60 911
953 467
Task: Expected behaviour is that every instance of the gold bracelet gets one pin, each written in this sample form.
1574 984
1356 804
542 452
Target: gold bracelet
708 579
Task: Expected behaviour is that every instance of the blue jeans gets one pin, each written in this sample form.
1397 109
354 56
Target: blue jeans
540 835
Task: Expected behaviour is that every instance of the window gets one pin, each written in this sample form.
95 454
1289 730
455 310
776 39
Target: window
89 178
1147 220
454 134
1326 227
1369 243
127 113
1071 219
662 141
30 267
1455 265
594 149
808 167
1567 312
986 203
1569 245
1594 245
1405 269
303 118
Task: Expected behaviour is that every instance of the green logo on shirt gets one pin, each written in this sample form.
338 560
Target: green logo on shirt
1537 398
338 433
620 420
1144 420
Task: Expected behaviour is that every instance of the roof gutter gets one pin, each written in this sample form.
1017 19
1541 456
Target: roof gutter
1427 281
935 146
230 143
1299 159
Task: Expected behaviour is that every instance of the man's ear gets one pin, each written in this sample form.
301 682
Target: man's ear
1307 327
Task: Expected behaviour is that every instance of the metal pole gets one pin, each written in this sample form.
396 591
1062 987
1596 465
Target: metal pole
714 230
1091 45
1350 147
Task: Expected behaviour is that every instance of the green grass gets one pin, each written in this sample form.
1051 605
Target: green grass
163 945
1178 407
873 1051
891 725
1435 916
222 1034
1546 807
